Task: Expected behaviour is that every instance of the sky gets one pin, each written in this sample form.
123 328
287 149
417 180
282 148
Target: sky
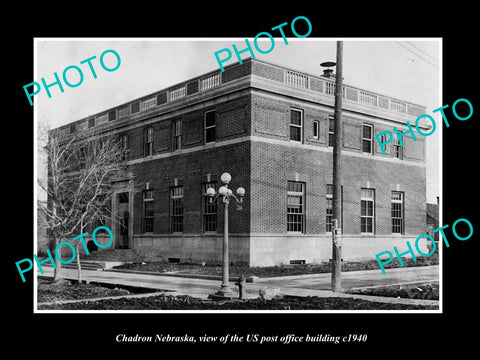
408 69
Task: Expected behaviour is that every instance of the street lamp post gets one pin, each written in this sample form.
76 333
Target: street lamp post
225 193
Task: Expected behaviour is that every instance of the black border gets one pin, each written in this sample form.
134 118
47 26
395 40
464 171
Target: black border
409 334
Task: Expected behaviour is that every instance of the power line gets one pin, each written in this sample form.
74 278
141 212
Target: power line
418 55
422 51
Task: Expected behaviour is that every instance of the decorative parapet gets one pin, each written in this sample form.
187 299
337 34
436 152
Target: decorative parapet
212 80
326 86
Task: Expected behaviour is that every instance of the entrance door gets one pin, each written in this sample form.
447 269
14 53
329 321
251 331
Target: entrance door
124 216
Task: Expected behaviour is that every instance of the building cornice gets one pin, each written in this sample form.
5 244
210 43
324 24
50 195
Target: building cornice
260 139
251 73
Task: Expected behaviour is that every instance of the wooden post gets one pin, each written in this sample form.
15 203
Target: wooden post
337 200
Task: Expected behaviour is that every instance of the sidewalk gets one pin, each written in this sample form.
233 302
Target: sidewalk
298 285
359 279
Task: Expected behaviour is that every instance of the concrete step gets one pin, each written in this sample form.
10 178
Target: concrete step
100 260
97 265
86 265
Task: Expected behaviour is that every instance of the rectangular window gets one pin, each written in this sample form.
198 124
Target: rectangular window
148 211
81 157
112 115
176 209
367 138
367 214
177 135
329 218
210 126
148 141
135 107
123 198
398 225
295 206
209 209
383 140
316 129
296 125
91 122
73 128
124 147
397 149
331 130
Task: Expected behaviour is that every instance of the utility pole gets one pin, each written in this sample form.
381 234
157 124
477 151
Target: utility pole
337 192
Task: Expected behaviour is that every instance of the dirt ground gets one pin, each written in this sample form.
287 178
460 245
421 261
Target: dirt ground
425 291
63 289
168 302
66 290
270 271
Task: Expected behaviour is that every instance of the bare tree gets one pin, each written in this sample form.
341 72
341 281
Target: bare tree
78 185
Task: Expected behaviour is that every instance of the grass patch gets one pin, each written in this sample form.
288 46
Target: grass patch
169 302
271 271
49 291
409 291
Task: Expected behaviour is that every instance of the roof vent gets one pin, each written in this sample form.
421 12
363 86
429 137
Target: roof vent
328 72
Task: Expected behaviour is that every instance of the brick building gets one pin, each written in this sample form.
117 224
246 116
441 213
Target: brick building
270 128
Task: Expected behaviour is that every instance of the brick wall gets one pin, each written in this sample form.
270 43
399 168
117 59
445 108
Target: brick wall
352 131
233 118
275 160
232 121
236 71
263 166
190 170
271 119
267 71
274 164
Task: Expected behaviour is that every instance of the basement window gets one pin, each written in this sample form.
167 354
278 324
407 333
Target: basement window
297 262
